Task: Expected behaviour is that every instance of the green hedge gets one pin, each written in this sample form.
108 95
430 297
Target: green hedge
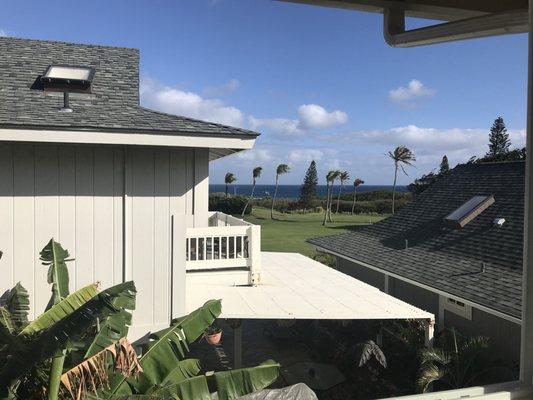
230 205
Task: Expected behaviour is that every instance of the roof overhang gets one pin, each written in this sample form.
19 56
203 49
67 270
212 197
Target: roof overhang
463 19
443 10
220 146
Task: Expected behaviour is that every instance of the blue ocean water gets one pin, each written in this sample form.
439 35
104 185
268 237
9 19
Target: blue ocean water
291 191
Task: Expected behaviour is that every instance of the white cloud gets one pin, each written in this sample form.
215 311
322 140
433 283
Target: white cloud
408 95
188 104
317 117
257 154
3 33
289 127
222 90
305 155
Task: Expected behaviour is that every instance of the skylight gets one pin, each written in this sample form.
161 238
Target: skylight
469 210
68 73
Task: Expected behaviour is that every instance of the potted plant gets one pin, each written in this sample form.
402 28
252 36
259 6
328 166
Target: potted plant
213 334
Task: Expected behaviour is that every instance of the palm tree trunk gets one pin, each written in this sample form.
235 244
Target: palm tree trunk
330 202
327 205
394 185
274 199
249 200
338 199
226 190
354 198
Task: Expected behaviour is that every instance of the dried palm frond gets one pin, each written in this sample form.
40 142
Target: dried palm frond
92 373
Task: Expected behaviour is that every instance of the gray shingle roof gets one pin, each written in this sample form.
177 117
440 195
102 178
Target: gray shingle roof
114 104
451 259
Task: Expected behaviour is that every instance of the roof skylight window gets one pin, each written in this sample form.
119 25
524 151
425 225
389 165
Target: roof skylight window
469 210
67 78
68 73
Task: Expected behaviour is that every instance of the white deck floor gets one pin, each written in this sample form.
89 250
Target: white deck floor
297 287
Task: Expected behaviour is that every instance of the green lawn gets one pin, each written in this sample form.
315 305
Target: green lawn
288 232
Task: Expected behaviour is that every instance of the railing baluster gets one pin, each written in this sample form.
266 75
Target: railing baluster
197 240
234 246
204 252
227 247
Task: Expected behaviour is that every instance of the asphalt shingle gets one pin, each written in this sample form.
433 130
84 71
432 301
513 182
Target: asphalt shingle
452 259
113 105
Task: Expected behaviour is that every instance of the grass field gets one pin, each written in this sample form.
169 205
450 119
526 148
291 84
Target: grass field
288 232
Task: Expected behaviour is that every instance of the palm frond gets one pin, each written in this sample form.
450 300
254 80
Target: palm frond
282 169
435 356
428 375
256 173
365 351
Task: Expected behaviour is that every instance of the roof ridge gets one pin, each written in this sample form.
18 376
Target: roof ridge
51 41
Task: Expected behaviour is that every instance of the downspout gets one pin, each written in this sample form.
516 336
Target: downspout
476 27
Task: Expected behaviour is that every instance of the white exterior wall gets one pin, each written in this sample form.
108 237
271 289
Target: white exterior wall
113 208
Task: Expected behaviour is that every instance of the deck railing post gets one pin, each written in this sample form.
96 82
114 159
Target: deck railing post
254 253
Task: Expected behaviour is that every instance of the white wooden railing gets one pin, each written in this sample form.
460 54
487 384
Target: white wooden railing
227 243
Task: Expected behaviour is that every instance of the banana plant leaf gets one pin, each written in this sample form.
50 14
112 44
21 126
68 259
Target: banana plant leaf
116 325
62 309
235 383
6 321
18 305
168 346
195 388
55 257
66 321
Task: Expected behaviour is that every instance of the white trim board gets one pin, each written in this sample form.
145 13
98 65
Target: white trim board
127 138
429 288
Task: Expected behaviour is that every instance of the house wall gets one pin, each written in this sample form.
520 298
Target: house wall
504 335
361 273
120 211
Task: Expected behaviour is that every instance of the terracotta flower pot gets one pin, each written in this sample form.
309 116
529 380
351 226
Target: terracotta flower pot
213 338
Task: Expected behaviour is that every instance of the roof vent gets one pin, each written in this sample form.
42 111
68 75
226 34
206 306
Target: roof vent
498 222
469 210
67 79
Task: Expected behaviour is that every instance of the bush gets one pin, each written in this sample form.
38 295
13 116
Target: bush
230 205
382 194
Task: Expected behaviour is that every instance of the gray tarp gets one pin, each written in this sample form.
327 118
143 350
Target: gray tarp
300 391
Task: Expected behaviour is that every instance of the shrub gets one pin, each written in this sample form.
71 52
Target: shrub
383 206
230 205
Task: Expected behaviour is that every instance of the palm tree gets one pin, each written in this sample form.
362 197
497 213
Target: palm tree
401 155
228 180
458 361
330 180
256 173
357 182
343 177
280 170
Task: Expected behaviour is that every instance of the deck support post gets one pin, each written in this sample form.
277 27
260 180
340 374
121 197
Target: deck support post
236 325
430 333
526 352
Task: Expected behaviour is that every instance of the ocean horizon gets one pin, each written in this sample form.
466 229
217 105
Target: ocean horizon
293 191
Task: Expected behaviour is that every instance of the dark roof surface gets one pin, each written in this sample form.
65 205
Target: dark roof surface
113 105
451 259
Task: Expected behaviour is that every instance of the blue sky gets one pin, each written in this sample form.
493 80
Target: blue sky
317 83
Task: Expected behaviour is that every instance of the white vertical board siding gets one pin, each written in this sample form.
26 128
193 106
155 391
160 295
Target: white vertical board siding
63 192
160 185
112 208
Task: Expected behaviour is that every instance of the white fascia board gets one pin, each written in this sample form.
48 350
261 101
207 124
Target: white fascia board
119 138
481 307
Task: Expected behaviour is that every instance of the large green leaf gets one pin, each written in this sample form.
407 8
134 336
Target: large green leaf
55 257
6 321
195 388
116 325
233 384
170 345
62 309
18 305
67 321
